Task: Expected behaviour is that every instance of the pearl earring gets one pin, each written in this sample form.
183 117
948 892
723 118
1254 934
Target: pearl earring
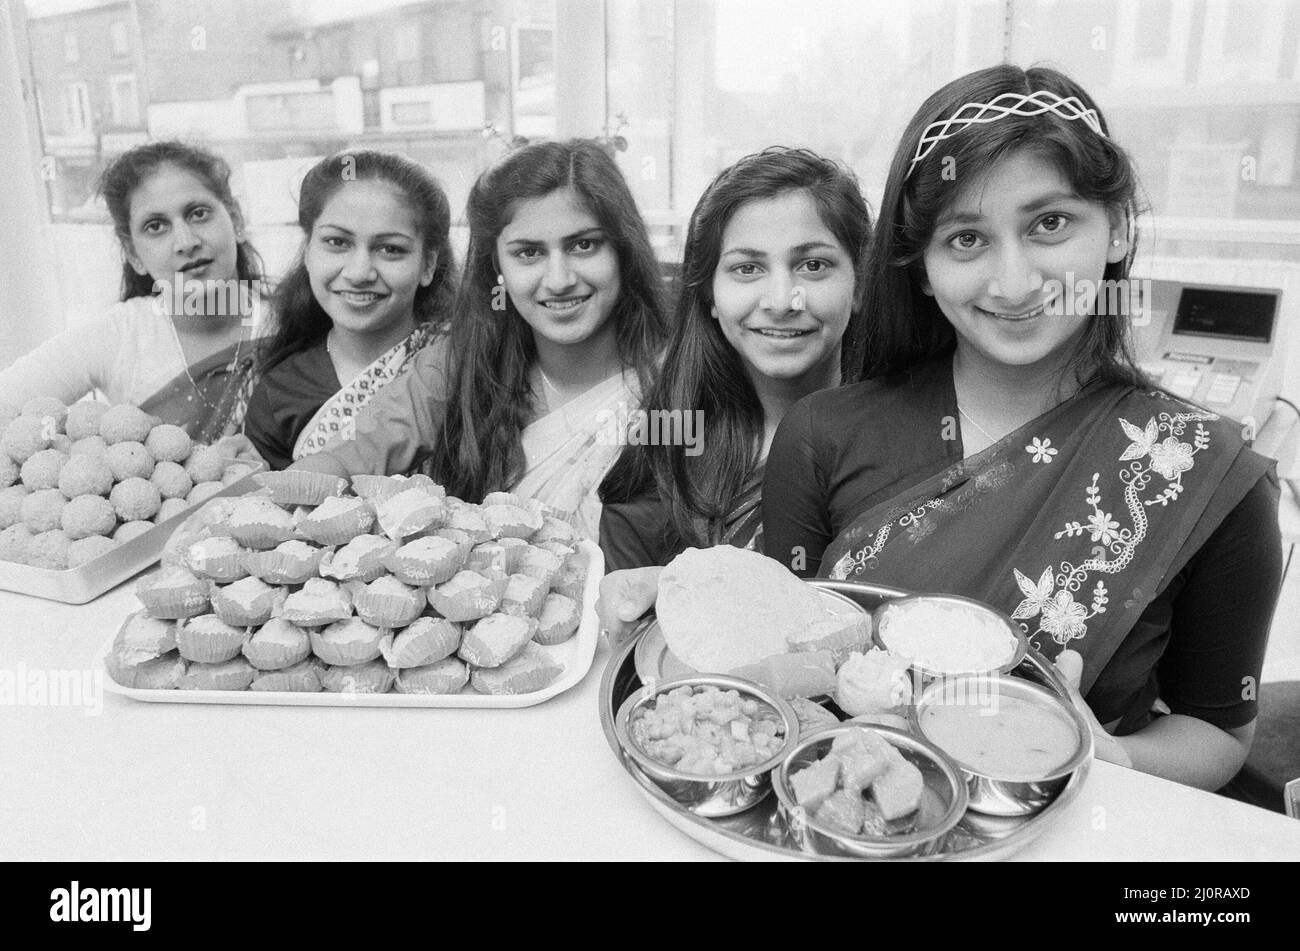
1114 242
501 279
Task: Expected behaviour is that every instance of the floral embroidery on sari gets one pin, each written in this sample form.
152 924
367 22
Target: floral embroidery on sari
1051 598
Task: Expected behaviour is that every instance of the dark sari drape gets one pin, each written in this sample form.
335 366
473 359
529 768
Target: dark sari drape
209 400
1071 525
742 526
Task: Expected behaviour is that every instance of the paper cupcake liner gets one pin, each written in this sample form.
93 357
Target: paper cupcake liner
424 569
444 677
558 621
410 512
469 603
338 529
176 604
260 536
514 549
302 677
540 564
572 579
208 644
425 641
234 674
238 615
367 568
298 487
223 568
267 654
469 521
523 596
145 634
377 489
388 610
557 531
275 567
337 652
372 677
487 559
137 671
559 549
462 540
530 671
495 639
169 600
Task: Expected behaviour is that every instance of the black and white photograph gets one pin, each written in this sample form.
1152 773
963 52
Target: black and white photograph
823 431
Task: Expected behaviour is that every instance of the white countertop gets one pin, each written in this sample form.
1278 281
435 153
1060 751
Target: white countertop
141 781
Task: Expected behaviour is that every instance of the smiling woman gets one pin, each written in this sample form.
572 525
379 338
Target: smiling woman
769 313
1006 448
372 286
557 326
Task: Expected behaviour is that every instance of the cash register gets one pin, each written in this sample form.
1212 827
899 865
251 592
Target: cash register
1213 345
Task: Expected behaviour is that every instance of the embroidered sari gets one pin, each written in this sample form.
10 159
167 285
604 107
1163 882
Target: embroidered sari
568 451
1072 525
336 418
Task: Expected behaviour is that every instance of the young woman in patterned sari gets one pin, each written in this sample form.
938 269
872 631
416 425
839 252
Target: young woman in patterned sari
769 312
181 343
372 286
557 328
1005 447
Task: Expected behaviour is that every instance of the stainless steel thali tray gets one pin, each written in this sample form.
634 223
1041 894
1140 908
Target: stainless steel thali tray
759 833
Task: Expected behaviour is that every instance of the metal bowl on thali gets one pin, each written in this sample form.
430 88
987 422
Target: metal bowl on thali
980 617
1006 788
713 795
761 832
941 805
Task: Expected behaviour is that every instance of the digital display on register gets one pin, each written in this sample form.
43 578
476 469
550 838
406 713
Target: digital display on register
1239 315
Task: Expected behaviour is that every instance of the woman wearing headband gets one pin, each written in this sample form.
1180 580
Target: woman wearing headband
1005 446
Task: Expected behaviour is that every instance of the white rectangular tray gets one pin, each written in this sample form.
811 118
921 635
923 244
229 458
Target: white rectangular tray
89 581
575 654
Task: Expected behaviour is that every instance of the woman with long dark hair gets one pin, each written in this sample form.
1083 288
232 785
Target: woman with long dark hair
1007 449
181 343
372 286
769 312
557 329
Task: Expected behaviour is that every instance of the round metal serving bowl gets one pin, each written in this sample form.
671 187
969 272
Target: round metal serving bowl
724 794
993 794
925 675
943 798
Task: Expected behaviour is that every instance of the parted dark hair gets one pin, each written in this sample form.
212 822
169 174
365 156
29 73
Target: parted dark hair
702 371
905 327
301 322
128 171
479 447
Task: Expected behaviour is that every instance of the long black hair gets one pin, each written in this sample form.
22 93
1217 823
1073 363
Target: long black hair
301 322
129 170
479 447
703 372
905 327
